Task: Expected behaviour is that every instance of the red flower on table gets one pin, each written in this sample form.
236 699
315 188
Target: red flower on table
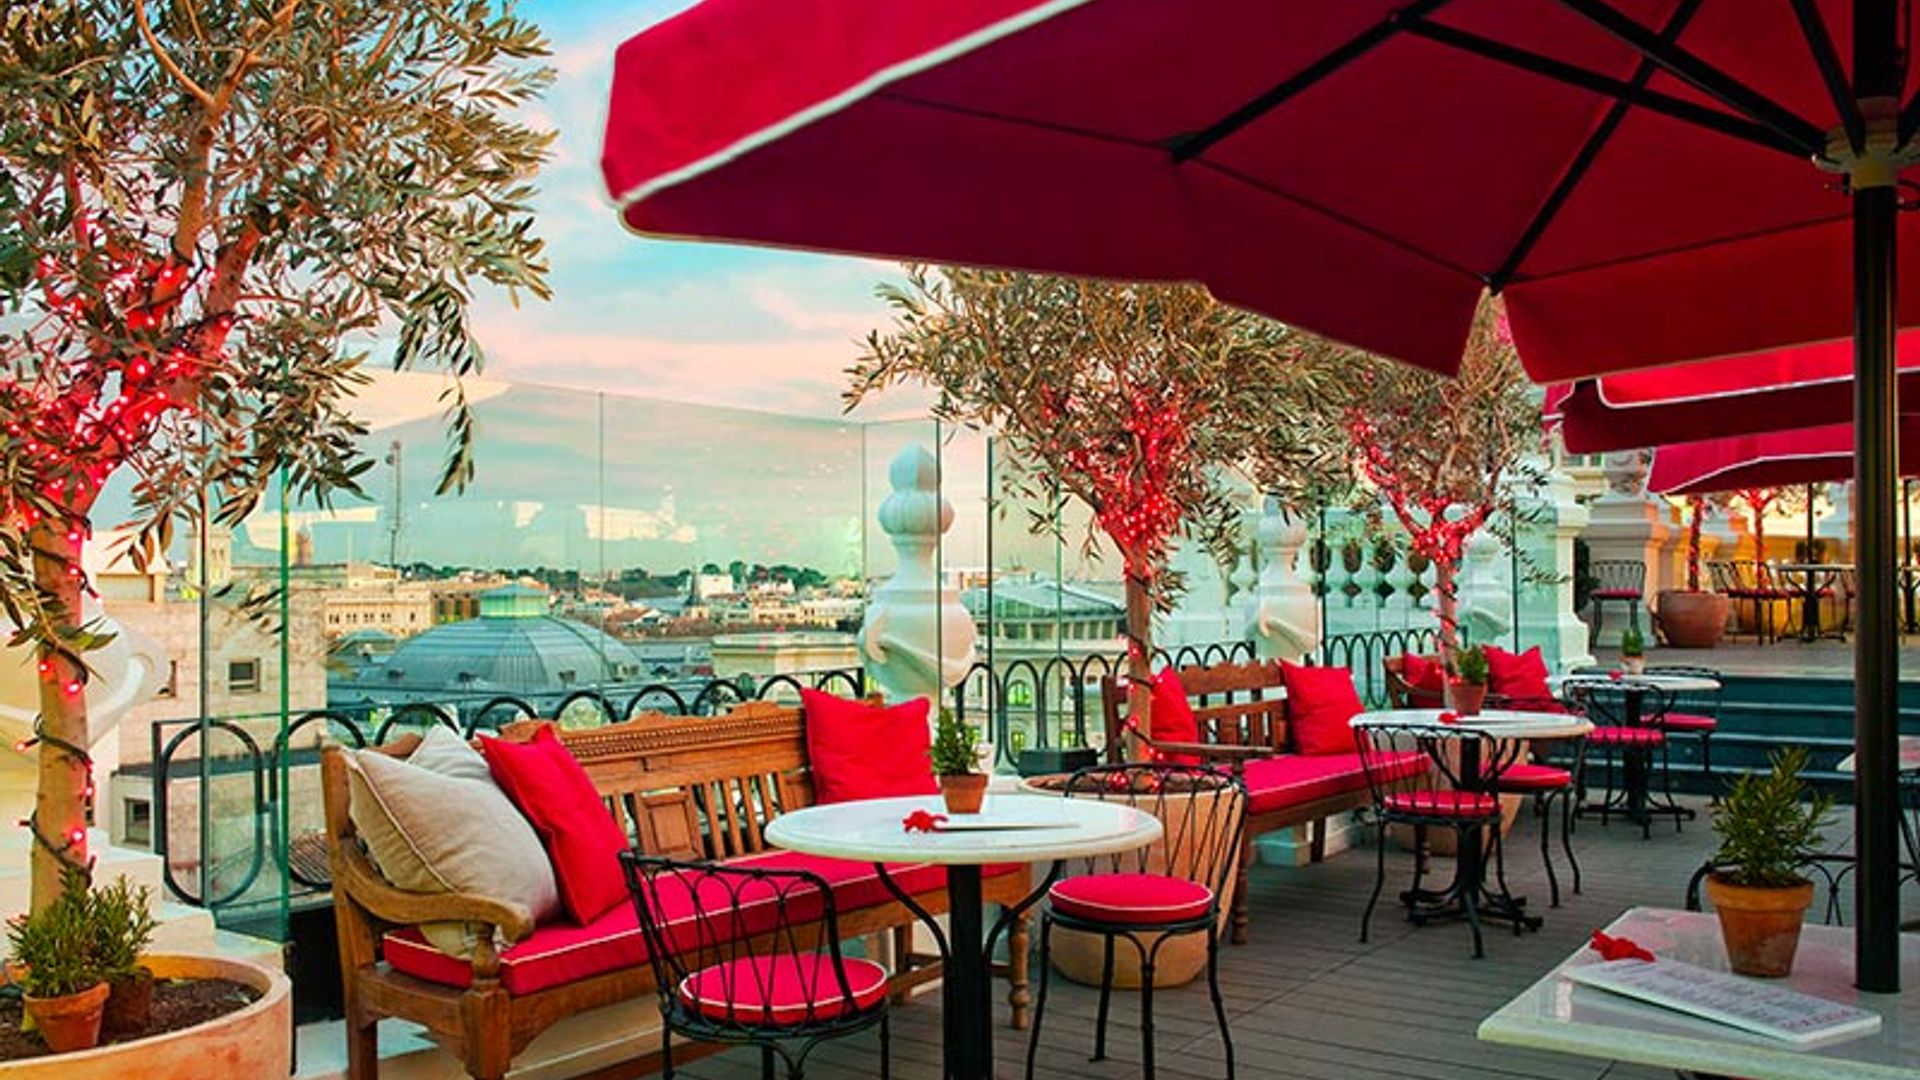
1616 674
1449 718
1613 948
922 821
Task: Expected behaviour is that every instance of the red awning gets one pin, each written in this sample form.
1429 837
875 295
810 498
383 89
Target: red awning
1777 459
1360 168
1773 391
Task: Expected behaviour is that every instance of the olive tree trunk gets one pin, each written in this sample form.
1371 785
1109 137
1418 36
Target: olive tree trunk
60 806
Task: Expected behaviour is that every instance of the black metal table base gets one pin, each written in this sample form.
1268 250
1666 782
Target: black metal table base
1468 896
1634 799
966 983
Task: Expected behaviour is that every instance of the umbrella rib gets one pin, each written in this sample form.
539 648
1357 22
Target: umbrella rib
1814 29
1021 121
1589 153
1681 249
1608 86
1193 144
1702 76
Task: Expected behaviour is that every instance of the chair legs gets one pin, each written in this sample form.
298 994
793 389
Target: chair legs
1040 999
1379 880
1219 1003
1148 956
1106 997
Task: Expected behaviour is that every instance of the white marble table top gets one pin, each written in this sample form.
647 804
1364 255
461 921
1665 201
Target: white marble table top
871 830
1497 723
1909 756
1556 1014
1676 684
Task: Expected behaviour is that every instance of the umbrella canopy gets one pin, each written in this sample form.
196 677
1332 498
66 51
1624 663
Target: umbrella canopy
1362 168
1641 179
1776 391
1776 459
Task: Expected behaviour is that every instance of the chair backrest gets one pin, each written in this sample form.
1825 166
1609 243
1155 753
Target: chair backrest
720 935
1619 574
1237 705
1431 758
1402 694
1201 811
1700 702
1603 700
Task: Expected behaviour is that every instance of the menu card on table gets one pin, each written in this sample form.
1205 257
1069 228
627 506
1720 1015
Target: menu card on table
1749 1004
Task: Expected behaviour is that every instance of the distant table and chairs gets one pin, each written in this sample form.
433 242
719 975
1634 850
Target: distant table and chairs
1633 718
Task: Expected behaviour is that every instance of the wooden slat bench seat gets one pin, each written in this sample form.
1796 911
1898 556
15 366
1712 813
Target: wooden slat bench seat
689 787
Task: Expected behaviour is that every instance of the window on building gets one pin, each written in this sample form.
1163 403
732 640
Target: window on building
138 823
243 676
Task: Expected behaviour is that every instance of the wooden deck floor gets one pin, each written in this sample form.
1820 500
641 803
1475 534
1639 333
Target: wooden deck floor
1308 1001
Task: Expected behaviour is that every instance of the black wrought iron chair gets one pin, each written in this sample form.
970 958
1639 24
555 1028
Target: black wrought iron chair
1552 774
1618 581
1694 715
1619 740
1459 792
1176 887
752 957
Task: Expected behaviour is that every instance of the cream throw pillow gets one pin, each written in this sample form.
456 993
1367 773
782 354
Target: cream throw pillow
430 833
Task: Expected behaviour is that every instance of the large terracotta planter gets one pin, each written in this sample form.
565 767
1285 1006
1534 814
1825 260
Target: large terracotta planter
1760 927
1692 620
1079 955
255 1043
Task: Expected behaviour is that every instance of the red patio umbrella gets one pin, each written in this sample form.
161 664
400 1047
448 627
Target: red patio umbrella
1815 455
1645 181
1775 391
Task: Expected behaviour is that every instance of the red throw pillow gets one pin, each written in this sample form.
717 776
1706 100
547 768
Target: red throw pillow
565 809
1426 677
862 751
1521 677
1173 719
1320 701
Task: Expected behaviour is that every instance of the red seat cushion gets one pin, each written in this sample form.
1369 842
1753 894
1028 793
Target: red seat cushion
782 990
559 800
1292 779
862 751
1691 722
1447 804
1517 676
1173 719
1616 594
560 953
1131 898
1527 776
1320 701
1627 736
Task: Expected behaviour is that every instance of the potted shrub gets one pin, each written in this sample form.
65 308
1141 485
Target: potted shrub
1768 823
1633 651
956 754
123 926
1467 686
53 958
1692 618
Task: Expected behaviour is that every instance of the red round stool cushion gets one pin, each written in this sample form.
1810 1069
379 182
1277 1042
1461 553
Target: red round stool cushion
775 990
1627 736
1690 722
1131 898
1445 804
1527 776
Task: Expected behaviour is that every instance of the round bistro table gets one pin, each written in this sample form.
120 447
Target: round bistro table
1012 828
1637 761
1470 869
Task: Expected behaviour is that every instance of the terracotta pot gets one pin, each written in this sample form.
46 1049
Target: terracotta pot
71 1021
1466 698
1633 665
964 793
255 1043
1692 620
129 1003
1761 927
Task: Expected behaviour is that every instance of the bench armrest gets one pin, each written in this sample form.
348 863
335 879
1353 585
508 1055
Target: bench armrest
354 873
1220 751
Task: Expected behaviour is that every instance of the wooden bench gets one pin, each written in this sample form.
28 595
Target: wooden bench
1242 715
680 786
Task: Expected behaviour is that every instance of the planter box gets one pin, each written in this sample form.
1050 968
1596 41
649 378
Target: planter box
255 1043
1047 760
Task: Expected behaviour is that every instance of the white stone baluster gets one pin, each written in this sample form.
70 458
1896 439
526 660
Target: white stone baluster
917 639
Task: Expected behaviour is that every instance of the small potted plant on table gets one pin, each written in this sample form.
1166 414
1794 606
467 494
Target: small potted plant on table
1768 823
54 960
1467 686
956 753
1633 651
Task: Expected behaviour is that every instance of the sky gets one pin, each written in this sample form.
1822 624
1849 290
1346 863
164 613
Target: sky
707 323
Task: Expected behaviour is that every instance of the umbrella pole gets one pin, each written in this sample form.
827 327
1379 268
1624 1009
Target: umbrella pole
1876 75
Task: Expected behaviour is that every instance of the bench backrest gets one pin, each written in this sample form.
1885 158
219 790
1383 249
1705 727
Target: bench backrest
695 787
1238 705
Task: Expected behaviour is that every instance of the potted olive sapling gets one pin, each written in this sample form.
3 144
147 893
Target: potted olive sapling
1467 685
53 958
1633 651
956 754
1768 823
